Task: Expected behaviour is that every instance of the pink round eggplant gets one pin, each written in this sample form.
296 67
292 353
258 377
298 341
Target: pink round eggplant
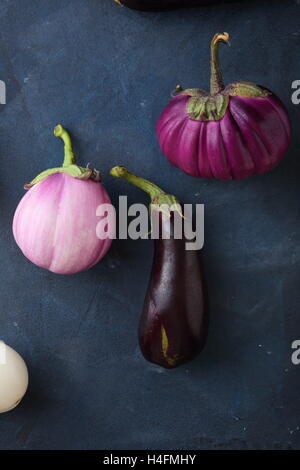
232 132
55 222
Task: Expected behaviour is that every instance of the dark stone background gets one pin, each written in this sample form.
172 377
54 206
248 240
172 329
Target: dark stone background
106 74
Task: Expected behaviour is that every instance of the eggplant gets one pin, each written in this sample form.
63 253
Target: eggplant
174 321
156 5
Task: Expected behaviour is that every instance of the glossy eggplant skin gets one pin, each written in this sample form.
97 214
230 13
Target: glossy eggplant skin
156 5
173 326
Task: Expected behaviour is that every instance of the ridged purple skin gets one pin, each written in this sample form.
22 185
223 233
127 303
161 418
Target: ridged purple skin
251 138
55 224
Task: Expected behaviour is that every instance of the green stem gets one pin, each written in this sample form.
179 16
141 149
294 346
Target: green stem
216 81
70 158
118 2
147 186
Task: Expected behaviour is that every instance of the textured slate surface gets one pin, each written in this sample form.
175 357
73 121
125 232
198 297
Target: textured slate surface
106 74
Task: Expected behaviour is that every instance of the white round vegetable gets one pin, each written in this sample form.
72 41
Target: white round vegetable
13 378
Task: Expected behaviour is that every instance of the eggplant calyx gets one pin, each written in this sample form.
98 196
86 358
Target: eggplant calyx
207 108
69 166
72 170
160 201
203 106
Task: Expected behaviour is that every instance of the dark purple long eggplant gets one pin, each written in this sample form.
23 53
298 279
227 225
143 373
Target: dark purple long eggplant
155 5
174 321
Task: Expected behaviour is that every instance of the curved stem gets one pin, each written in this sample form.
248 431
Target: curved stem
118 2
70 158
147 186
216 81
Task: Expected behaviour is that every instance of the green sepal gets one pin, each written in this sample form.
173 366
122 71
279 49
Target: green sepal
245 89
190 91
205 107
72 170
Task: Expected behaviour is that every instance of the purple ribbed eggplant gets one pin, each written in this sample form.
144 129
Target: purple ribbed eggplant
230 133
174 321
154 5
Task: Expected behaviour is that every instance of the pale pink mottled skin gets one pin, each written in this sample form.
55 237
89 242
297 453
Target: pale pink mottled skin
251 138
55 224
